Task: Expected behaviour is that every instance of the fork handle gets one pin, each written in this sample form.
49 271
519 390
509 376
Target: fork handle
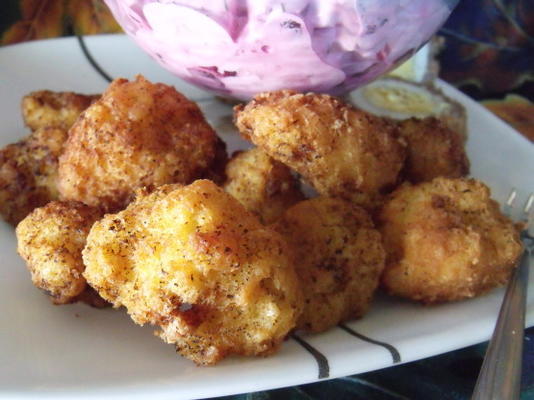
500 375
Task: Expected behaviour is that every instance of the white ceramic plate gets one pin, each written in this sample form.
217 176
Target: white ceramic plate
77 351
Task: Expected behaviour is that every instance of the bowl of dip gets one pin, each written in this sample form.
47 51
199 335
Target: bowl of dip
237 48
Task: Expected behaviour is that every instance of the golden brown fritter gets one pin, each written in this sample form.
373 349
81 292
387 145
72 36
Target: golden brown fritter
28 168
446 240
45 109
28 173
339 257
192 260
262 184
433 150
137 134
50 240
340 151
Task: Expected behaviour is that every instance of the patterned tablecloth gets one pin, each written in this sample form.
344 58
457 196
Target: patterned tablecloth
483 39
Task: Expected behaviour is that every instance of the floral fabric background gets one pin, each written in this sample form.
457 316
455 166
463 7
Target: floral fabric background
484 39
23 20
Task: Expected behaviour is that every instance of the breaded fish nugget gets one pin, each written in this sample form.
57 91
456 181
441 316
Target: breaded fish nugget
137 134
29 168
446 240
192 260
433 150
339 150
262 184
45 109
28 173
340 258
51 240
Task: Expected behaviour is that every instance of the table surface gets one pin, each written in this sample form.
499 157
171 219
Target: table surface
469 31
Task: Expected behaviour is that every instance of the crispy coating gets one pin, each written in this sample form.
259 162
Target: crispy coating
28 173
339 259
340 151
192 260
50 240
44 109
446 240
29 168
137 134
433 150
263 185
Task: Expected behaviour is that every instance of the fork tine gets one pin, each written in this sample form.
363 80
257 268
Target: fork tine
527 217
507 208
529 203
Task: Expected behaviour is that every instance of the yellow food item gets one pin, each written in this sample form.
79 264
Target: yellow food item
45 109
192 260
446 240
137 134
263 185
340 151
400 99
433 150
339 259
50 240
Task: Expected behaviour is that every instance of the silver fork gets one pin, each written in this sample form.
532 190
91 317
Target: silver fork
500 375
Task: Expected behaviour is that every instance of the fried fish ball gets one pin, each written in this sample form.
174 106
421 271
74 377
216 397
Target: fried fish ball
29 168
340 259
137 134
28 173
50 240
433 150
44 109
339 150
263 185
446 240
192 260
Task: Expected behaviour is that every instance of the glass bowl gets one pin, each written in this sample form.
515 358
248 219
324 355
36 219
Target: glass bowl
237 48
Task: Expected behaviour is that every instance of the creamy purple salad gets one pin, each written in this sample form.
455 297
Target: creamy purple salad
238 48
